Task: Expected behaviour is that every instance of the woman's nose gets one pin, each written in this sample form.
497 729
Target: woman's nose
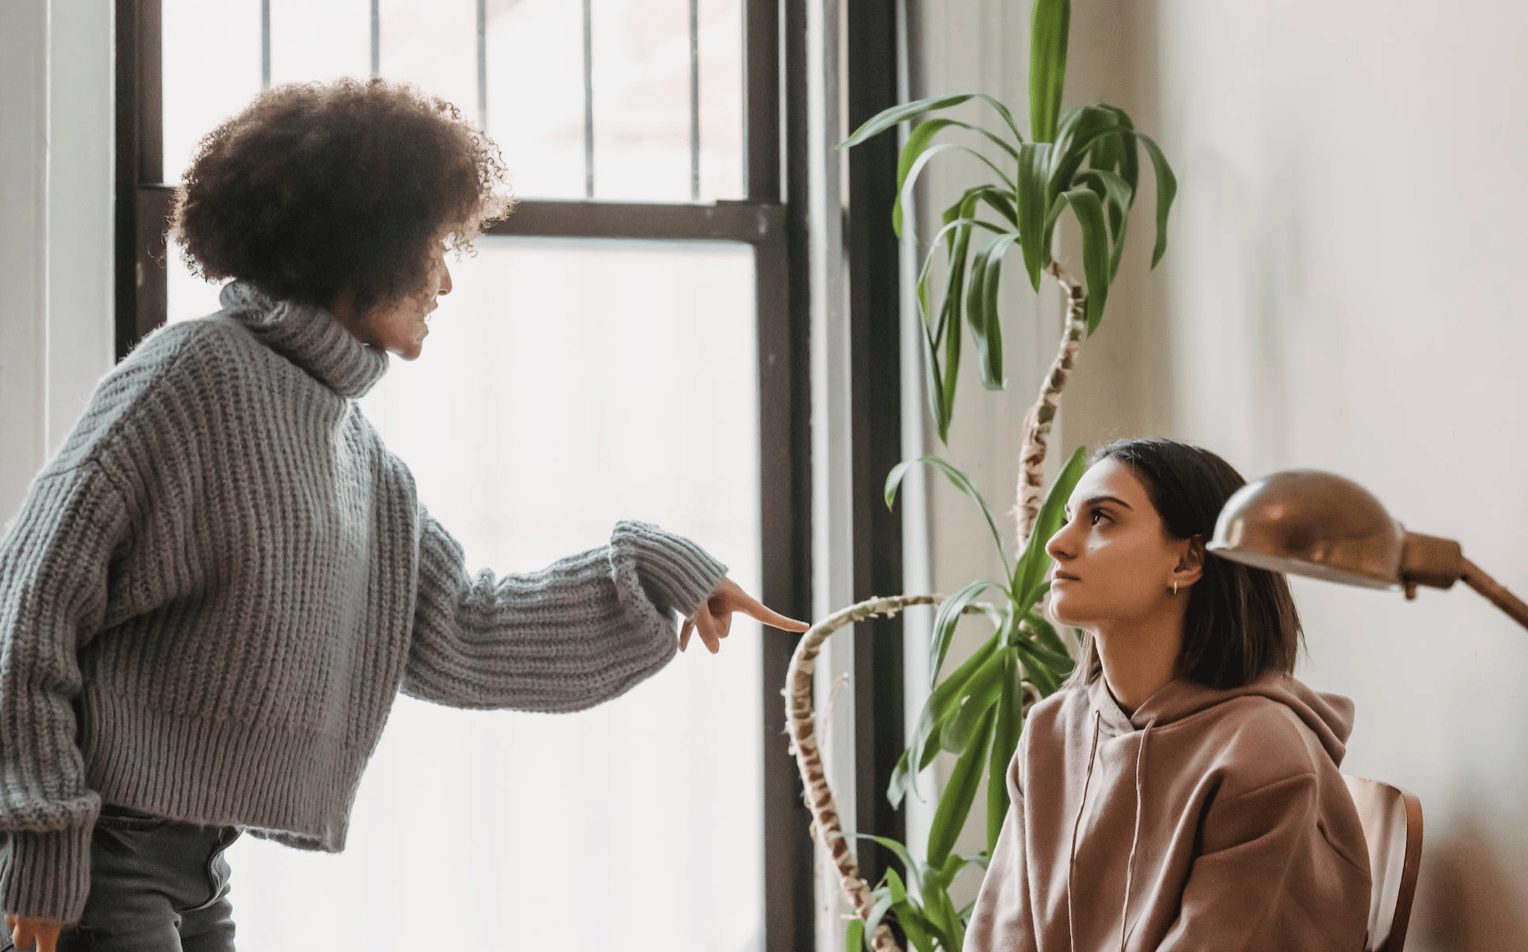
445 280
1057 547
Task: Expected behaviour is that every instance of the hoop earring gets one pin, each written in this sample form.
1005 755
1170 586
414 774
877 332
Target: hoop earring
1175 588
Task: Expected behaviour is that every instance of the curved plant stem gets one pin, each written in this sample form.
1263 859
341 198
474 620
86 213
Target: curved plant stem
801 724
1037 422
802 727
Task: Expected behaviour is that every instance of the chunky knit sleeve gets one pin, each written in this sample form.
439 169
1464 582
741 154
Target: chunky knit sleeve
581 631
54 564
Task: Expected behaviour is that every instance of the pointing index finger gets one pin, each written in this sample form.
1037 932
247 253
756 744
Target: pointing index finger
773 618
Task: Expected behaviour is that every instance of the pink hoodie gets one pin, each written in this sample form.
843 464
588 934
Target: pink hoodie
1208 821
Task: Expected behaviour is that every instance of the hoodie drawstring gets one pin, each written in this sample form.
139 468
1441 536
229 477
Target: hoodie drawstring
1076 823
1135 839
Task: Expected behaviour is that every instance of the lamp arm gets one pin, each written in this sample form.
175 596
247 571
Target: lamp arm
1491 589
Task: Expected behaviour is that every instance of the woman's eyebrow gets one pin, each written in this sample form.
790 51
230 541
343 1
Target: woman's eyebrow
1096 501
1099 500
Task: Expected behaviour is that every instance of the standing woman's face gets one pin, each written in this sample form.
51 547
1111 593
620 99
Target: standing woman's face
1114 561
401 327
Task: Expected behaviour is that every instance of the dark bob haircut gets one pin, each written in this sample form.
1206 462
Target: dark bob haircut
1241 621
319 188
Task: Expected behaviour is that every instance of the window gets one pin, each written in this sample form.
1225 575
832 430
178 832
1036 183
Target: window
624 346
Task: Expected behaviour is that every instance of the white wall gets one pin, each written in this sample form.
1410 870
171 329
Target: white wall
1340 292
56 228
1341 295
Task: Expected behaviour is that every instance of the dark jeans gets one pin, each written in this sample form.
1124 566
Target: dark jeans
155 886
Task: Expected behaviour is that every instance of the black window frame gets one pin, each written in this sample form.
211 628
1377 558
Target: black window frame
775 125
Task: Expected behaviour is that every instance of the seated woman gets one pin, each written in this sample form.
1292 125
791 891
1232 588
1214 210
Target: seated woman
1182 791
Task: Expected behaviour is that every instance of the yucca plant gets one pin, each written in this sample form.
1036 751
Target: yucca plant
1085 161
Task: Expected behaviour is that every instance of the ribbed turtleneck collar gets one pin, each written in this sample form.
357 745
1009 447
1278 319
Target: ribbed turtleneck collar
309 336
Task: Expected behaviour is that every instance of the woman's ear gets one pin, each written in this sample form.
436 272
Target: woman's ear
1190 568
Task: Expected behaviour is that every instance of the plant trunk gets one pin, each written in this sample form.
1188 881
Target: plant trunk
1037 423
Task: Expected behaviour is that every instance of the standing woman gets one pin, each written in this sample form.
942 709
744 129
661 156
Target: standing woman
215 590
1181 793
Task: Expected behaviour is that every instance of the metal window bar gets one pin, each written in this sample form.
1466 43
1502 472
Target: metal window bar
694 100
265 45
376 37
588 100
482 63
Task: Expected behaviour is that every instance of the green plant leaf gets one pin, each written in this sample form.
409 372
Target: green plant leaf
933 380
949 322
1107 185
955 225
1034 563
945 920
953 235
1032 642
1167 188
955 804
1033 204
946 393
912 151
877 913
960 481
1117 194
1117 153
1121 224
1045 634
947 619
914 924
975 301
1005 739
1081 129
1095 249
854 935
941 385
1040 668
1126 162
1047 65
960 732
982 310
889 117
907 178
1106 153
953 864
903 855
1001 202
941 704
1003 111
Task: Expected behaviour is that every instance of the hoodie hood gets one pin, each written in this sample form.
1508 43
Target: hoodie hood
1179 825
1329 716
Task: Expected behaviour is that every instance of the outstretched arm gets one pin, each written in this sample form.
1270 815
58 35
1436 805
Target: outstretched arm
581 631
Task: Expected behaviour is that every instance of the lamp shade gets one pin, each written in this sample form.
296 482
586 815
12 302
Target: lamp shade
1307 522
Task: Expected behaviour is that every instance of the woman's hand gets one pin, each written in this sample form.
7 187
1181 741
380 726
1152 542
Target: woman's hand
713 619
28 932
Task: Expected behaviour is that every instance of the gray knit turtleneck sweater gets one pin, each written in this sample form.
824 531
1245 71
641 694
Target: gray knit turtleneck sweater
212 594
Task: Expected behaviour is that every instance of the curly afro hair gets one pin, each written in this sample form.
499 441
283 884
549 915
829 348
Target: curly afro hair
319 188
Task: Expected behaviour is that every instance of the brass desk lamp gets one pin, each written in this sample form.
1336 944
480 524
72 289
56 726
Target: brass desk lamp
1306 522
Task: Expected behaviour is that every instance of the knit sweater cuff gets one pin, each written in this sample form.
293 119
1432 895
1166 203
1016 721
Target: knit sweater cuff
679 573
48 876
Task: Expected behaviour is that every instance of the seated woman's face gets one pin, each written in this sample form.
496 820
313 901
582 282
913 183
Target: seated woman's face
1113 558
401 327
